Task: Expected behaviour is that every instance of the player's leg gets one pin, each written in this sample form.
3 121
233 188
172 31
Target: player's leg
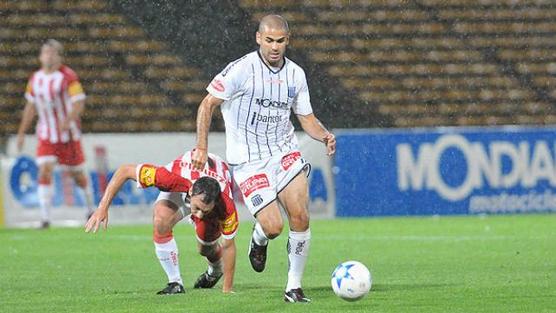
209 246
165 216
294 197
71 155
268 225
83 186
45 190
257 183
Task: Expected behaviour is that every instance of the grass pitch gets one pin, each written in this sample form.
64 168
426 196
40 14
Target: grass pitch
446 264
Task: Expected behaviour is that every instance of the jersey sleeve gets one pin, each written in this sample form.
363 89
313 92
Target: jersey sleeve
231 223
29 92
75 89
228 82
302 101
148 175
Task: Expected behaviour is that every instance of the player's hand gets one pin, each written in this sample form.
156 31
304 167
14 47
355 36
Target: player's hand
330 142
99 217
199 158
20 142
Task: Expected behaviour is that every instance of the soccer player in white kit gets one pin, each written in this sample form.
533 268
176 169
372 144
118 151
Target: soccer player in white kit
257 93
55 94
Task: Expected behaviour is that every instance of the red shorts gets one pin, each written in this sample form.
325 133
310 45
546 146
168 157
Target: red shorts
69 153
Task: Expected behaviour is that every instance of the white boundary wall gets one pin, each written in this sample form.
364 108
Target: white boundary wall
156 148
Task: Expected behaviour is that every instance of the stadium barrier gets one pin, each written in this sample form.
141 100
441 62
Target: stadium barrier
104 153
445 171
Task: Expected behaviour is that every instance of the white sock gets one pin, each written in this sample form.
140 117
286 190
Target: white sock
259 236
167 254
214 267
45 200
298 251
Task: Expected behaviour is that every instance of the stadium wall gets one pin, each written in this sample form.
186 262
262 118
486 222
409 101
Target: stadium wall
104 153
445 171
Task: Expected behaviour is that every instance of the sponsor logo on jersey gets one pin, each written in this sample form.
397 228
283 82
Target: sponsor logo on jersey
257 200
217 85
267 103
147 175
289 160
265 118
253 183
291 92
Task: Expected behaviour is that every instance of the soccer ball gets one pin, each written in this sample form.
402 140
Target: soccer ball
351 280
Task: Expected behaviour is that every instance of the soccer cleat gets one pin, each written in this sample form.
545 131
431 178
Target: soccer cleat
257 256
207 281
45 225
172 289
296 295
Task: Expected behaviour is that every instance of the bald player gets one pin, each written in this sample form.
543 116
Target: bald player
257 94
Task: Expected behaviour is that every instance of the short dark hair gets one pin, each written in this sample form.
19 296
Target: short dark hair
207 186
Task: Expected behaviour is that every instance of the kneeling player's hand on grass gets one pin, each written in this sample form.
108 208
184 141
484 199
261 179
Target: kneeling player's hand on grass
99 217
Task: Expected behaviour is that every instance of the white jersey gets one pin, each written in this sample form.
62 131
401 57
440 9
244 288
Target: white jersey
258 100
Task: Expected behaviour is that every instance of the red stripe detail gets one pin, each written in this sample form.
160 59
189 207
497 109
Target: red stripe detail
63 88
213 167
176 168
162 238
225 166
195 175
54 110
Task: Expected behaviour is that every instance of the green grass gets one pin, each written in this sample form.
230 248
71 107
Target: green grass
447 264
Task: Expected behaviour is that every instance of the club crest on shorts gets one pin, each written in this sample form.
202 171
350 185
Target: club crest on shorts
257 200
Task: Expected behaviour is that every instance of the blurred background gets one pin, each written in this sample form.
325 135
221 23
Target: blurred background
389 65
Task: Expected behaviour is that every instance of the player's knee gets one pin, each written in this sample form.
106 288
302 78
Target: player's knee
161 225
274 230
300 221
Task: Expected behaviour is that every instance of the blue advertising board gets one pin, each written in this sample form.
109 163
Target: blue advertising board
445 171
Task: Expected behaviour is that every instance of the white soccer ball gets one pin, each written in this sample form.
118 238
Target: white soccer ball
351 280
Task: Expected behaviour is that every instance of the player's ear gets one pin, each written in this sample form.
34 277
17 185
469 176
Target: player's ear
258 38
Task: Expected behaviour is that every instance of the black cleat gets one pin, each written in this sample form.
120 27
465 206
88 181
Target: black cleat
257 256
45 225
172 289
296 295
207 281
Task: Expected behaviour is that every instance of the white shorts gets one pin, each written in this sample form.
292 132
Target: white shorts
261 181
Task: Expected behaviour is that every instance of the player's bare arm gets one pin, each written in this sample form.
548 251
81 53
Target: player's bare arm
229 260
75 113
314 128
29 113
100 217
204 117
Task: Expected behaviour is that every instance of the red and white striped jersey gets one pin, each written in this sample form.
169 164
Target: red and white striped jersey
53 95
179 176
215 168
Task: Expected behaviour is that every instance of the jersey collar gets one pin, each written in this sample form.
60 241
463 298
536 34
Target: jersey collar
269 68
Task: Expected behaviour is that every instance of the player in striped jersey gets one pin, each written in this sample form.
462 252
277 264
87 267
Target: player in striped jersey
257 94
204 196
56 95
